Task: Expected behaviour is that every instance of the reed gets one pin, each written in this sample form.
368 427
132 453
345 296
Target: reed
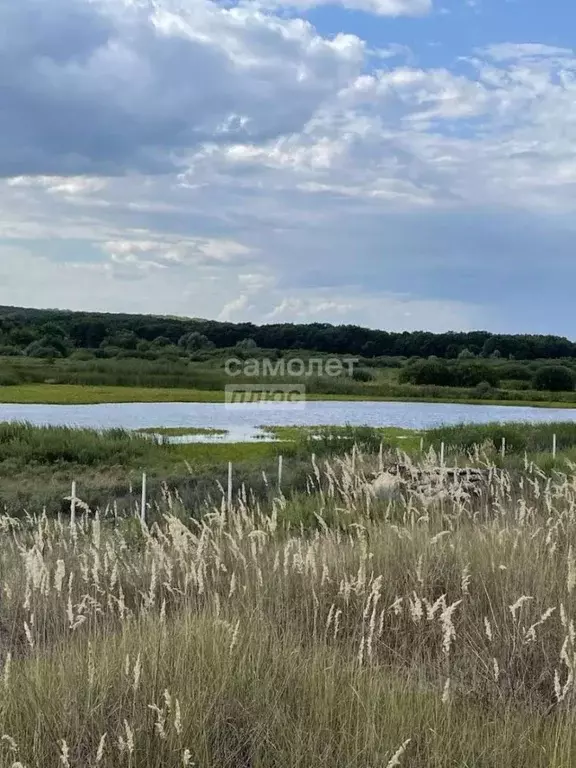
434 629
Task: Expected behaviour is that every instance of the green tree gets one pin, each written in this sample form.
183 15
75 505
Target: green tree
247 345
554 378
194 341
43 348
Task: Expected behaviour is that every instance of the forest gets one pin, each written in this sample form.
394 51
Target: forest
54 333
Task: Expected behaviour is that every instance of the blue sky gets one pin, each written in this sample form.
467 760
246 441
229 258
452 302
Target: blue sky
402 164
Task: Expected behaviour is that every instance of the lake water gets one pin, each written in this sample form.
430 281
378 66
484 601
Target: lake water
243 421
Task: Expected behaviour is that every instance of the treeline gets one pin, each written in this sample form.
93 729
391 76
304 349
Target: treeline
54 333
466 374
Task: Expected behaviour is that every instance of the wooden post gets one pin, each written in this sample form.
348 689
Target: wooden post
554 445
442 454
73 503
381 458
503 447
143 501
280 465
229 485
421 445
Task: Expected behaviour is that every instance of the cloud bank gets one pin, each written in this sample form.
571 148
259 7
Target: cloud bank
238 162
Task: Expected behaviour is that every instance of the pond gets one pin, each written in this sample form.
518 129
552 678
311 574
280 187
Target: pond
243 420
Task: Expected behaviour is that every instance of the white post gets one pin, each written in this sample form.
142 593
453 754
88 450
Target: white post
421 445
554 446
503 447
381 458
354 459
143 502
442 454
73 503
229 485
280 464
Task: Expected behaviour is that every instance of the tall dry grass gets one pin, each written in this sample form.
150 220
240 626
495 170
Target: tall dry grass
434 629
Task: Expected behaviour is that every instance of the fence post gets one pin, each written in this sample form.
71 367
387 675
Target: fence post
143 501
381 457
73 504
554 445
280 466
229 497
503 448
442 454
421 445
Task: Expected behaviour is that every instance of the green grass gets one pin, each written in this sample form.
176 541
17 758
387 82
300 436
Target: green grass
23 445
406 439
209 453
73 394
182 431
519 438
38 465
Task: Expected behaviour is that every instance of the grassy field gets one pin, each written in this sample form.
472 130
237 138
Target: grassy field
405 439
76 394
425 631
182 431
38 465
83 377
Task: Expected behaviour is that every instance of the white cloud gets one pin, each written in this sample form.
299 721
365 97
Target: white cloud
377 7
24 277
509 51
234 309
66 185
237 163
103 88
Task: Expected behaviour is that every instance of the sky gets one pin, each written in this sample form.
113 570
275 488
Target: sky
398 164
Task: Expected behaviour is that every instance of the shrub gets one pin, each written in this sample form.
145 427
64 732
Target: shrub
515 371
9 351
484 390
247 345
42 349
362 374
474 373
554 378
427 372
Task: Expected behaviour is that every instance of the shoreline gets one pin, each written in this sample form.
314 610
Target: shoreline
72 394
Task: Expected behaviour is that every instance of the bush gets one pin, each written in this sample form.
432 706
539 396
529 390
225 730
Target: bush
515 384
554 378
484 390
82 354
8 351
427 372
473 374
247 345
42 349
515 371
438 373
362 374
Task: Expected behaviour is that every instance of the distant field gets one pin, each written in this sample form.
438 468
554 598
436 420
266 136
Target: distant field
76 394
